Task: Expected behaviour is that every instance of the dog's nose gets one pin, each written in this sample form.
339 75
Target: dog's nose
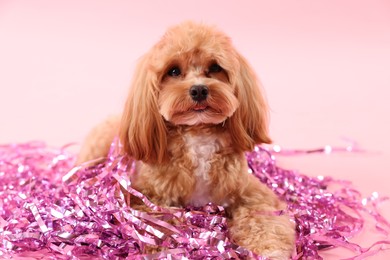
199 92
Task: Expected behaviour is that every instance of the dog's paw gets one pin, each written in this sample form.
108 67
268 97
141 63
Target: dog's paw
276 254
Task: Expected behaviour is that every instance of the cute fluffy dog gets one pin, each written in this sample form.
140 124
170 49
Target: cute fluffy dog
193 110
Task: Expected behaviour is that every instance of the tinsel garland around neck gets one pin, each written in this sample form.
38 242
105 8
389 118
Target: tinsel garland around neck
70 213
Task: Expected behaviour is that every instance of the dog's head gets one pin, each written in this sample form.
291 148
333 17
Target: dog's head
192 76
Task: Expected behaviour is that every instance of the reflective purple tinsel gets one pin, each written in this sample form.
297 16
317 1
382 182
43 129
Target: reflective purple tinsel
46 206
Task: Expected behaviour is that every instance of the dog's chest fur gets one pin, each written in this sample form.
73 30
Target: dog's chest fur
201 149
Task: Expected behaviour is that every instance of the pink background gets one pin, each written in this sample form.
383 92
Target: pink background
325 65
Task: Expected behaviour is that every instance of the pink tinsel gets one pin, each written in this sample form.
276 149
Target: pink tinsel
71 213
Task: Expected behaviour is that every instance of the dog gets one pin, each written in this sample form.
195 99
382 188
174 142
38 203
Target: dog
194 108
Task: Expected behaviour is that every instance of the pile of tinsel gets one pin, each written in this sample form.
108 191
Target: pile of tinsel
73 213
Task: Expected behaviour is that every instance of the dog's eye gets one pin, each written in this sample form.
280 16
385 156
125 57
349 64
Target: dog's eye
174 72
214 68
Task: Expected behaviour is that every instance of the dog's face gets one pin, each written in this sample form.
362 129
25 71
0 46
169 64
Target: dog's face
195 83
195 72
196 90
192 76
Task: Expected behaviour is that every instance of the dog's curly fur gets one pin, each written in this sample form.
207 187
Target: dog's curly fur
194 108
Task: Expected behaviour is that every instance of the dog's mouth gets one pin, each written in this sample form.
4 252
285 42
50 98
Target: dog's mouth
200 108
197 113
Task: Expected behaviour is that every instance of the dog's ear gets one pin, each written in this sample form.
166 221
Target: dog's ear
249 123
143 132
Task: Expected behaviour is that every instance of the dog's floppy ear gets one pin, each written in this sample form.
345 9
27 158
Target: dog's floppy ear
142 132
249 123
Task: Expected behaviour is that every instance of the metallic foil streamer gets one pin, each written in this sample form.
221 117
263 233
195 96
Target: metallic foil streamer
70 213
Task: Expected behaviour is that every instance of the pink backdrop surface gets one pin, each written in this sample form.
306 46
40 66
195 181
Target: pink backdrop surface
325 66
